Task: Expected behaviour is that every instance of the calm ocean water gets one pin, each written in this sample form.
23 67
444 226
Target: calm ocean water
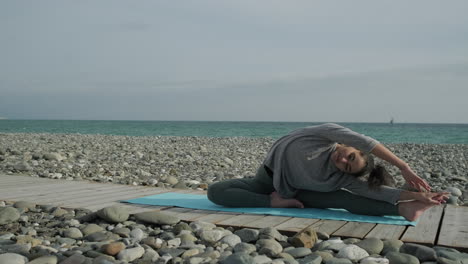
396 133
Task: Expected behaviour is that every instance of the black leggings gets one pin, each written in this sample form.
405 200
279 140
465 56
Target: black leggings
255 192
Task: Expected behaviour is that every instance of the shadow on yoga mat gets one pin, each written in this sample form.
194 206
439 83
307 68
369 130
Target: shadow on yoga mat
201 202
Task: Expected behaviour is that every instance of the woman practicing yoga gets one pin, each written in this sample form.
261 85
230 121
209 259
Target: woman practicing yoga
320 167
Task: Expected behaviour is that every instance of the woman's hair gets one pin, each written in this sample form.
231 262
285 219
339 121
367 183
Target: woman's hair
378 175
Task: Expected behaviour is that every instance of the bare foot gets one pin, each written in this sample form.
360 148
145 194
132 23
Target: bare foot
277 201
413 210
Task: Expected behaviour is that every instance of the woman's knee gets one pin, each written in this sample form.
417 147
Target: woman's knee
214 192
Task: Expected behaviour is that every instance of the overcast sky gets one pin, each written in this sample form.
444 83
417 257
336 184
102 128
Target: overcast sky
252 60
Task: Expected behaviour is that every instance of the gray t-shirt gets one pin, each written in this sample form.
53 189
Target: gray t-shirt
301 160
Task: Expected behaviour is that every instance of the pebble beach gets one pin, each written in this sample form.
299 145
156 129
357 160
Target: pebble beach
31 233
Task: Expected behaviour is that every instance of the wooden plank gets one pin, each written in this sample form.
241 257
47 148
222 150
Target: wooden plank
296 224
194 215
111 190
383 231
70 193
189 215
132 209
105 201
176 210
27 185
426 229
216 217
100 199
107 204
16 182
268 221
24 190
11 178
240 220
454 230
354 229
328 226
56 187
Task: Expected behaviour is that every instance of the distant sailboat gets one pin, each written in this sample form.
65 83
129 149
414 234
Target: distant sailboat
391 121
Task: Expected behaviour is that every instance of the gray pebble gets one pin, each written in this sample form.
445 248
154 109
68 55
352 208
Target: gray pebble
73 232
12 258
239 258
130 254
8 215
372 245
113 214
157 218
401 258
352 252
423 253
299 252
269 247
232 240
245 247
338 261
248 234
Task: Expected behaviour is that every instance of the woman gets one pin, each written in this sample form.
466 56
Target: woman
319 166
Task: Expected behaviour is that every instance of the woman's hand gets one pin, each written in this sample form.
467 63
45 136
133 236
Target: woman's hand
410 176
414 180
431 198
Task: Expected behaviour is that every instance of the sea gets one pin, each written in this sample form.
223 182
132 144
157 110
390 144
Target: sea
384 132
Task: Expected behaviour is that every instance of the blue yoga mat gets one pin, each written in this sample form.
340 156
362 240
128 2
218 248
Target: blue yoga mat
197 201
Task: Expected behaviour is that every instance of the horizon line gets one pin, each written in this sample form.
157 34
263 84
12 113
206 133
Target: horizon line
233 121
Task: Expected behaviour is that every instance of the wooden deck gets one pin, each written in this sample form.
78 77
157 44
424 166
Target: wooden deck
442 225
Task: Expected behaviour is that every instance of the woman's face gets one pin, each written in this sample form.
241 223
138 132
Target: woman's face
348 159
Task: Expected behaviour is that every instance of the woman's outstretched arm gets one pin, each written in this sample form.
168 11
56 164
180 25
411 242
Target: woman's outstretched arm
410 176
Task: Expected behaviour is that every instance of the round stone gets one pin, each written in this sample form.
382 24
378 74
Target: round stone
8 215
211 236
131 254
73 232
181 226
352 252
453 200
454 191
271 233
122 231
137 234
298 252
158 218
423 253
45 260
113 249
401 258
26 206
239 258
200 225
113 214
153 242
391 245
53 156
338 261
269 247
245 247
372 260
372 245
232 240
247 235
13 258
91 228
